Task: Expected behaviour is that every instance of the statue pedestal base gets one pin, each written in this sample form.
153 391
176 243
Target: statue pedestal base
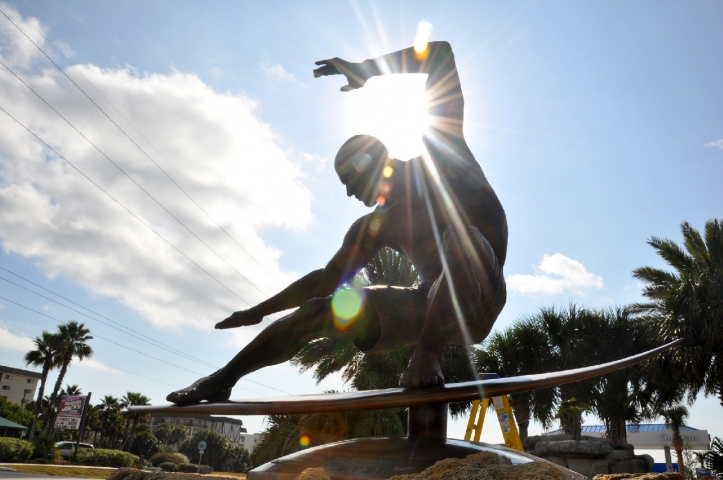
378 457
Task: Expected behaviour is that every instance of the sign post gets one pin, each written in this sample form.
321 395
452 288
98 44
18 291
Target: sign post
83 422
201 448
70 412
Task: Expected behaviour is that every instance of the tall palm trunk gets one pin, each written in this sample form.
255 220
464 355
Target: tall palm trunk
522 416
52 405
617 431
678 446
41 391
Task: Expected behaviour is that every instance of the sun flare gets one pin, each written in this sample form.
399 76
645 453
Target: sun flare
392 108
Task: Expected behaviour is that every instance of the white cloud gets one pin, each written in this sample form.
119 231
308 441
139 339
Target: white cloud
558 274
15 342
50 213
717 143
277 72
97 366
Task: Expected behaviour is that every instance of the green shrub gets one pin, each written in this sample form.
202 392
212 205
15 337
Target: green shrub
143 427
15 450
39 461
15 413
98 457
191 468
237 460
145 444
169 467
44 447
217 448
162 457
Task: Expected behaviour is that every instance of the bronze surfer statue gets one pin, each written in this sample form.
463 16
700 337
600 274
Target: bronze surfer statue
438 209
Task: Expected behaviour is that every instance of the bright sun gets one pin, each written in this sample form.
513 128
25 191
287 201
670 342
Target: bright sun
393 109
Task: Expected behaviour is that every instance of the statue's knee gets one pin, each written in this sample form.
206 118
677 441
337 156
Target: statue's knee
314 307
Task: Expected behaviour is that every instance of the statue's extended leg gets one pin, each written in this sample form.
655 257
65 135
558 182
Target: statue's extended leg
277 343
458 304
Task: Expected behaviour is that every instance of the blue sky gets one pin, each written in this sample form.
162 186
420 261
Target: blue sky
598 124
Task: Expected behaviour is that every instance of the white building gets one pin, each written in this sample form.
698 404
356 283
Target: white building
230 427
18 385
250 440
652 436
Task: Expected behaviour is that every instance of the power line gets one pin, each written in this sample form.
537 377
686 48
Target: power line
129 138
157 345
146 339
132 179
107 365
124 207
116 343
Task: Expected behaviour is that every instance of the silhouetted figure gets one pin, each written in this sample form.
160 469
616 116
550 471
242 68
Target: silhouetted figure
437 209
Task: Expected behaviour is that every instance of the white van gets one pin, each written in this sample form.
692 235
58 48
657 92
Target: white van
67 449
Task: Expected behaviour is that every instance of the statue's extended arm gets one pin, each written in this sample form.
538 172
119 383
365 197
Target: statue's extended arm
444 92
345 263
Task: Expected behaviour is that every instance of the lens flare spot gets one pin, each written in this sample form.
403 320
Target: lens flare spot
384 188
361 162
421 40
304 441
374 225
346 305
381 200
387 172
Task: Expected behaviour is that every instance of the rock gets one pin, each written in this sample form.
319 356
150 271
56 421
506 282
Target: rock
487 466
649 461
557 461
624 446
638 476
573 449
136 474
313 474
588 466
598 439
620 455
624 466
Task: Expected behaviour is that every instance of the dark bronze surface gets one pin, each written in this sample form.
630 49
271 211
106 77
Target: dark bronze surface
380 457
400 397
437 209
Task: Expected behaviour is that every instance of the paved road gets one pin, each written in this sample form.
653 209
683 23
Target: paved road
30 476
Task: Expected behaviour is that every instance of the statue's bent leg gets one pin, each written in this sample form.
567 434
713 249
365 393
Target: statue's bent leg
277 343
463 304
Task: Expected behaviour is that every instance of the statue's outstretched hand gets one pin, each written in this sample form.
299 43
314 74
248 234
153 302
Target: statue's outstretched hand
241 319
355 74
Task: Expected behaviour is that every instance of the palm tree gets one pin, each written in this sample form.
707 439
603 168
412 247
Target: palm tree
132 399
618 398
71 390
72 337
108 407
521 350
675 418
45 356
688 304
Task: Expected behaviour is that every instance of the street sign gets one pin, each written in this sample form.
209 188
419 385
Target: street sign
70 412
201 445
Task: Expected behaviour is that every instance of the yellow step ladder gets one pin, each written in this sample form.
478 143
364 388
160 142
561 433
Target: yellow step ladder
504 416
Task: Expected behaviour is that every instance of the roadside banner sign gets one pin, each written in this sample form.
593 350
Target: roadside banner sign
702 474
70 412
201 445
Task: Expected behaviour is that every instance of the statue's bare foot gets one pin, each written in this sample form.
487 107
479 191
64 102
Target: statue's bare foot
424 370
207 388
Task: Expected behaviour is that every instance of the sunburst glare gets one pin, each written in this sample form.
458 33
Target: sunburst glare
392 108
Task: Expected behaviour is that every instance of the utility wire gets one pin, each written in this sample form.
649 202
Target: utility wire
129 138
107 365
163 347
116 343
146 339
98 314
123 206
132 179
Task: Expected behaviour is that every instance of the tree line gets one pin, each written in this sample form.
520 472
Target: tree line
685 301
